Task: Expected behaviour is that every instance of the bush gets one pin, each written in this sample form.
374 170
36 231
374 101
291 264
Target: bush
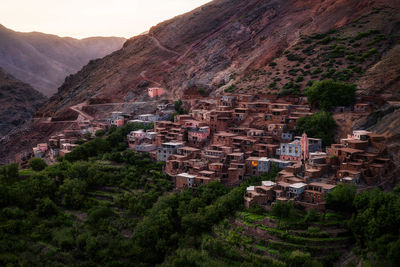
329 93
46 207
98 213
37 164
282 210
341 198
100 133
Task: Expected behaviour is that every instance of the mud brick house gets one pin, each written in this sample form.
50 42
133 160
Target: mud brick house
116 119
227 101
185 180
363 108
224 138
296 190
168 149
263 195
315 192
220 120
149 117
40 150
198 136
155 92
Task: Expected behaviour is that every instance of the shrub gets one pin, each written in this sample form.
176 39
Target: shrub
272 64
100 133
37 164
230 89
282 210
98 213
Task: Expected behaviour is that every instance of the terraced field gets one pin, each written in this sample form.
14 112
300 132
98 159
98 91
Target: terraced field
279 241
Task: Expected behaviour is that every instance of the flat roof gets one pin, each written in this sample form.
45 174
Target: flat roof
253 158
323 185
298 185
284 184
173 144
207 172
187 175
250 188
313 170
189 148
225 134
236 154
350 150
268 183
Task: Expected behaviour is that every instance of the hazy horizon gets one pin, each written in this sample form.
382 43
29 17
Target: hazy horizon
90 18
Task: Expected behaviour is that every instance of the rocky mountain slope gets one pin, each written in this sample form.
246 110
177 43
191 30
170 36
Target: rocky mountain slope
246 46
208 47
18 102
44 60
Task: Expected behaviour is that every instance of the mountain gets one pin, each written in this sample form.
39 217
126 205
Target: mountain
44 60
18 102
249 46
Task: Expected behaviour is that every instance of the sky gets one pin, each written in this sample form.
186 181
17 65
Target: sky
86 18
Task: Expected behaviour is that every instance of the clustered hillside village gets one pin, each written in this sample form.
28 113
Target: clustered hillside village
231 137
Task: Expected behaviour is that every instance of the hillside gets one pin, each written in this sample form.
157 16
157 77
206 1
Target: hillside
240 46
18 102
44 60
210 46
107 205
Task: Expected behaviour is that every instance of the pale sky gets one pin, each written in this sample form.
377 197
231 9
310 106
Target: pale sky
85 18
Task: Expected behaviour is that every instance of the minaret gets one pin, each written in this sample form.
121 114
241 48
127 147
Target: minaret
304 154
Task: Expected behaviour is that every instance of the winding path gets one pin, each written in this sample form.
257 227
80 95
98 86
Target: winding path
78 108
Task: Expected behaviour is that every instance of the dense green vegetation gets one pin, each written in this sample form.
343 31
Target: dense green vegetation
374 222
319 125
105 205
328 93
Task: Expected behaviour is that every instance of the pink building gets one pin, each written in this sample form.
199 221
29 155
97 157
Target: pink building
155 91
199 134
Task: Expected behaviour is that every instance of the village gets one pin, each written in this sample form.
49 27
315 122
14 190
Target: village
235 136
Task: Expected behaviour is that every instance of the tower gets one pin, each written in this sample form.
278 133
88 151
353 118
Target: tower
304 153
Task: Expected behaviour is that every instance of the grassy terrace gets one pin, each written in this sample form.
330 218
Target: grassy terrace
278 239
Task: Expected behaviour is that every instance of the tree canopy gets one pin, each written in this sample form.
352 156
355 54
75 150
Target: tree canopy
319 125
328 93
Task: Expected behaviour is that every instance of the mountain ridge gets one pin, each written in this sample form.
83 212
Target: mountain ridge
18 102
44 60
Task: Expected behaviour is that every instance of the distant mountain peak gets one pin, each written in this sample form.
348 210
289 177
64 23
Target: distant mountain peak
44 60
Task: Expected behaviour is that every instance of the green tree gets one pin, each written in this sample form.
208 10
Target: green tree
100 133
9 173
319 125
328 93
72 193
46 207
341 198
37 164
88 136
282 210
